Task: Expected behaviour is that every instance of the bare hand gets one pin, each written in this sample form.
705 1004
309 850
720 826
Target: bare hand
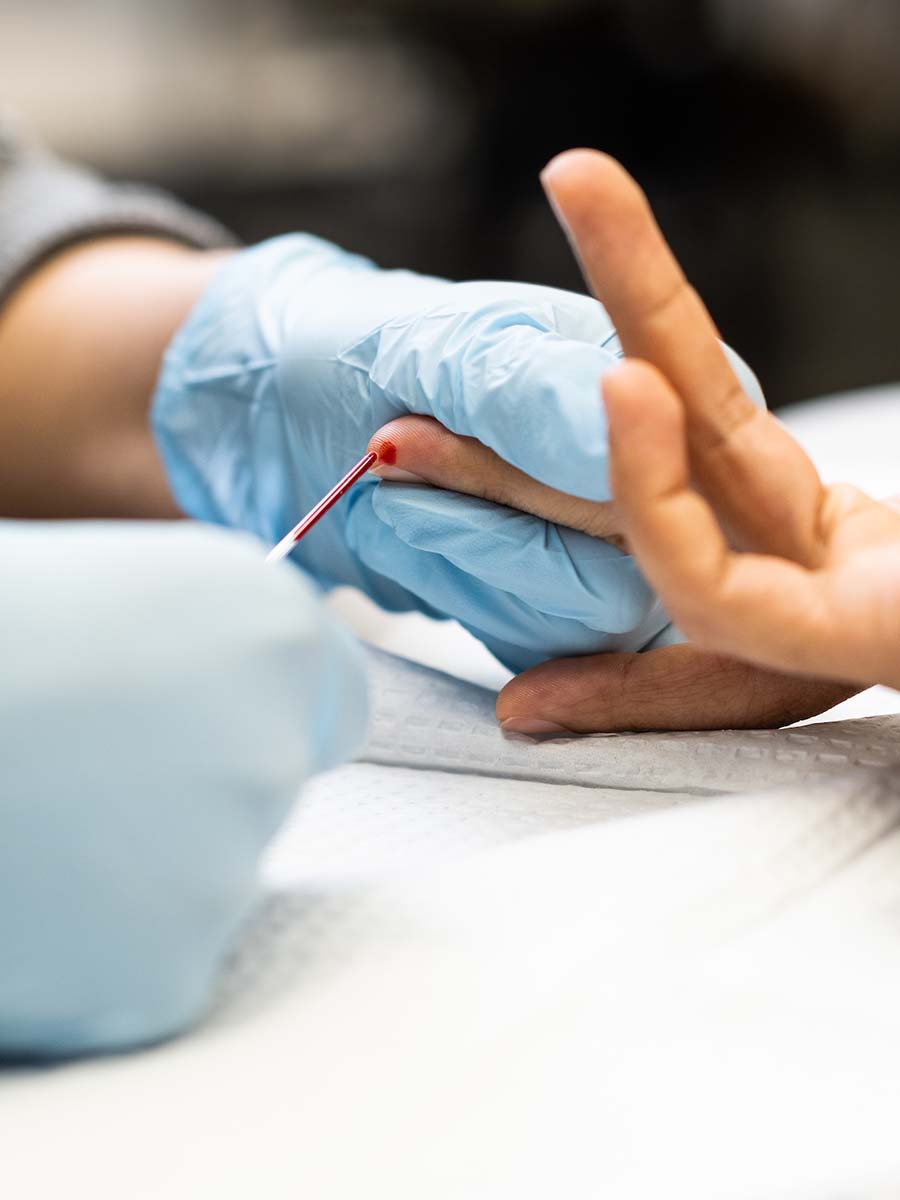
751 553
676 687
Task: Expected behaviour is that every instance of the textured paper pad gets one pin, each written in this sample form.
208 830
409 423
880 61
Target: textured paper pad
424 718
474 980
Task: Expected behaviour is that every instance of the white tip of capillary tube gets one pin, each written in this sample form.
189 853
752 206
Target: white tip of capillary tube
282 549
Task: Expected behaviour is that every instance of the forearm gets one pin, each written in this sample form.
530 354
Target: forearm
81 341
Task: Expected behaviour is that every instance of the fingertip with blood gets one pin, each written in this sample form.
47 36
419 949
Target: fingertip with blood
386 465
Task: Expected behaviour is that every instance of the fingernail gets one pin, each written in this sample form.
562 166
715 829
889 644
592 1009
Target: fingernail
550 169
532 727
395 474
546 178
547 172
547 181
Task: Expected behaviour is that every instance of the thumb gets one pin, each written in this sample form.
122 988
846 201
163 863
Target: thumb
673 688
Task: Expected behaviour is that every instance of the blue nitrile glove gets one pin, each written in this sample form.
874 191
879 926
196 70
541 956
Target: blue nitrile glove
163 696
298 352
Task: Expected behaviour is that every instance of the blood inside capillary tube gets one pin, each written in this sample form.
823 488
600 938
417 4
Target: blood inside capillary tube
287 543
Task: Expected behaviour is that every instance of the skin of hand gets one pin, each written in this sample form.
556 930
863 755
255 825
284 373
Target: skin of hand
414 444
752 554
81 341
674 687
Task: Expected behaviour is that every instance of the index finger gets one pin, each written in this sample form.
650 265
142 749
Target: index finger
759 480
631 270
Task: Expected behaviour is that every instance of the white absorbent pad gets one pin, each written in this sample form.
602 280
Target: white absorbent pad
423 718
469 981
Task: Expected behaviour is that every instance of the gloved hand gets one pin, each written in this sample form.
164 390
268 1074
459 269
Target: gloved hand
298 352
160 709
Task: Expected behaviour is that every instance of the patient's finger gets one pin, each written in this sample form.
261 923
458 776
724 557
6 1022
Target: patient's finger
756 607
759 479
676 687
418 449
631 269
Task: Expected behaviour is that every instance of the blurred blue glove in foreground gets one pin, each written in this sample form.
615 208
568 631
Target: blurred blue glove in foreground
298 352
164 697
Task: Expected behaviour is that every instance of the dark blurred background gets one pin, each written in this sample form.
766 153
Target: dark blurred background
767 134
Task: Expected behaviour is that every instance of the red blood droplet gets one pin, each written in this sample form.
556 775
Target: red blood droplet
387 453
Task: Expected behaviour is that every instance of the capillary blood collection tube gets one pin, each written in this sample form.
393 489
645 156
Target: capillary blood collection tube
289 541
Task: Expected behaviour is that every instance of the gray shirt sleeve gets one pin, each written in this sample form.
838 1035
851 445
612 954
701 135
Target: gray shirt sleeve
47 204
